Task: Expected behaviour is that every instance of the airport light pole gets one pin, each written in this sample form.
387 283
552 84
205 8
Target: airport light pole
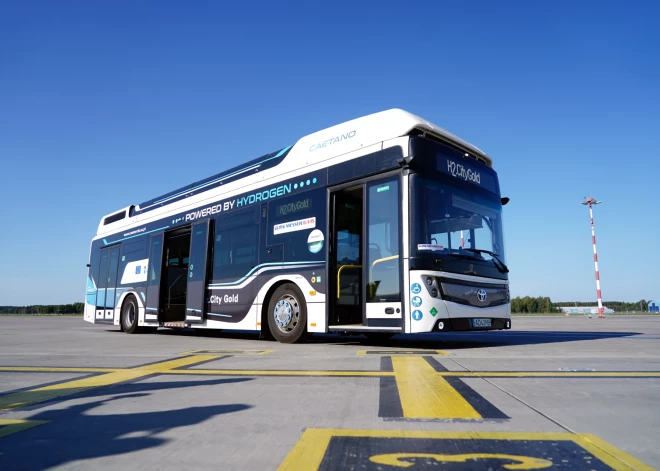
590 202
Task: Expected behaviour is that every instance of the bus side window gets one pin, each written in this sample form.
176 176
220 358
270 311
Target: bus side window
235 247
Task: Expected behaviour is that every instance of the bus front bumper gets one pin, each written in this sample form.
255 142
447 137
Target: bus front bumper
471 324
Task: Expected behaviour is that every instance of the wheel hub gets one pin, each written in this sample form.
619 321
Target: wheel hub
286 313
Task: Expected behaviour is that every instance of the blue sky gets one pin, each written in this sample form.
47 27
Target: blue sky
106 104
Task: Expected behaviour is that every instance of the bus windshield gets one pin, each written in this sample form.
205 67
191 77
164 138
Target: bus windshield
451 222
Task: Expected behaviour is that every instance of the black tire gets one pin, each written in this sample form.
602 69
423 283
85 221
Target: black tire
287 314
378 336
129 315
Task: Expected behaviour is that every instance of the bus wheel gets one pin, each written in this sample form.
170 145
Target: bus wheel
288 314
129 315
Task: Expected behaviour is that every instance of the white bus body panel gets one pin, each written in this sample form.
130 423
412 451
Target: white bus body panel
421 317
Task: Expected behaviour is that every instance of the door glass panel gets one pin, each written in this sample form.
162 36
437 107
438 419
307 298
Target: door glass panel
103 280
197 270
383 261
348 223
153 277
110 297
345 271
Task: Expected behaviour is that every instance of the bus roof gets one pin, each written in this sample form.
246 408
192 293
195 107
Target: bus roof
317 147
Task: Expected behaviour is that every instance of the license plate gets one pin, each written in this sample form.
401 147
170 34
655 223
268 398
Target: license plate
482 323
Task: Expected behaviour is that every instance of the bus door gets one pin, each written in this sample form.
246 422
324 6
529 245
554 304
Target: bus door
197 273
345 265
153 278
382 270
365 264
107 283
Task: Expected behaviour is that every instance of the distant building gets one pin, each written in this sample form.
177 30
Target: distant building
586 310
654 306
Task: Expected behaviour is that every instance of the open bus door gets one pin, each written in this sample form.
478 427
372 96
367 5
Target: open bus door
153 278
365 256
198 262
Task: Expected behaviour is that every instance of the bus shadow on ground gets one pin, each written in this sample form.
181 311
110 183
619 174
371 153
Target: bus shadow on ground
467 340
435 341
74 434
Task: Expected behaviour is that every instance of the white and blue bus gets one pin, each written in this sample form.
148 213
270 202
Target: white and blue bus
383 225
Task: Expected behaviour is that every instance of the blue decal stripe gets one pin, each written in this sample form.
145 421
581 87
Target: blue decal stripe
224 177
136 235
264 265
214 314
194 310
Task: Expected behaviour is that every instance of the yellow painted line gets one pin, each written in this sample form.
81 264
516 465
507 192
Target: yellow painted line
558 374
158 367
11 426
426 395
279 373
167 365
47 393
220 352
49 369
309 451
595 445
393 353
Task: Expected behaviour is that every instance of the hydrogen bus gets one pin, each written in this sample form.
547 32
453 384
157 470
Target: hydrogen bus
383 225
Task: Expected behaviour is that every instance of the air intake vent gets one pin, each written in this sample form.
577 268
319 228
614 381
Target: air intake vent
114 218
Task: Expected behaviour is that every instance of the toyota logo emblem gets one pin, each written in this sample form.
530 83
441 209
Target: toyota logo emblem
481 295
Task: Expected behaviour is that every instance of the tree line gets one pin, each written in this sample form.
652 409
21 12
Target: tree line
541 304
75 308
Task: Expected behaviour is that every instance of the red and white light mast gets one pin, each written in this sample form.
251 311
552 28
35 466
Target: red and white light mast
589 202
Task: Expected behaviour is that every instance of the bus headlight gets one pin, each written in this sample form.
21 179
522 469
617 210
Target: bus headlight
429 281
434 293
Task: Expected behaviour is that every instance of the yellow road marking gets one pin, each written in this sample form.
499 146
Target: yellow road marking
218 353
559 374
10 426
53 369
595 445
46 393
466 374
426 395
167 365
309 451
280 373
522 462
33 396
393 353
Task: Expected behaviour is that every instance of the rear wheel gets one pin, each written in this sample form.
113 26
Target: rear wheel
287 313
129 316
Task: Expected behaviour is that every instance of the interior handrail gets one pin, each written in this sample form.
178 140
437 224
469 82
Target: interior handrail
339 276
380 260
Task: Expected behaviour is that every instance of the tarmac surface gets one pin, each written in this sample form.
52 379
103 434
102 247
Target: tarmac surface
553 393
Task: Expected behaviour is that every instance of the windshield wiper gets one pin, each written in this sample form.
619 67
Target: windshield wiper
499 264
464 256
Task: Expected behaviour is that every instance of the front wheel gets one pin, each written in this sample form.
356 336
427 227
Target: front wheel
287 313
129 316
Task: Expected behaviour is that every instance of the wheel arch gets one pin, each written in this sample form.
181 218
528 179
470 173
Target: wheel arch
120 305
263 316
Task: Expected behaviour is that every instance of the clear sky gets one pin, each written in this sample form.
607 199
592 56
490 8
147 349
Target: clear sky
104 104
